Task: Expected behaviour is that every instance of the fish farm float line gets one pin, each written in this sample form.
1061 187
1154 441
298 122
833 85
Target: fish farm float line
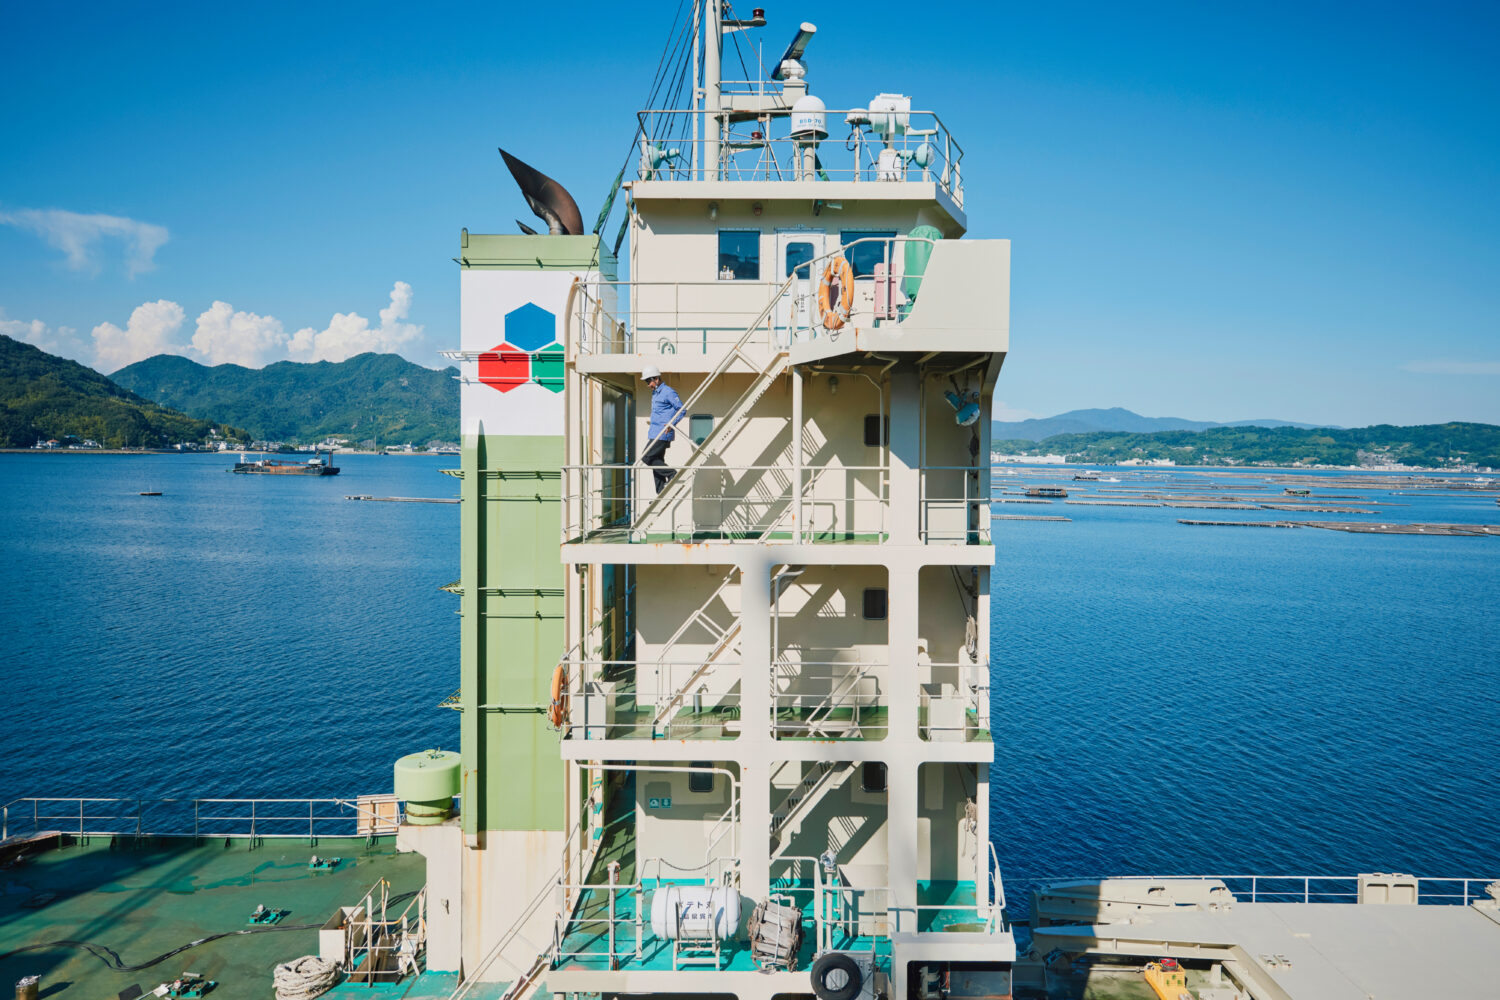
1364 527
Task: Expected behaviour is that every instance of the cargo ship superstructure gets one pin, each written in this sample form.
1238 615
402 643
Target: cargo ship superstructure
725 719
764 759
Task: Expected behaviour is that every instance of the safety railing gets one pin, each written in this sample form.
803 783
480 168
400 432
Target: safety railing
607 922
670 317
841 504
379 947
881 147
260 819
1339 888
607 712
709 318
986 915
955 701
610 919
829 699
850 917
955 505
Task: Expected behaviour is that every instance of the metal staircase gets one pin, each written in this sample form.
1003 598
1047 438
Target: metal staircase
724 639
724 430
843 692
806 791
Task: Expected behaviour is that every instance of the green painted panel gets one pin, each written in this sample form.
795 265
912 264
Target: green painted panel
518 252
512 631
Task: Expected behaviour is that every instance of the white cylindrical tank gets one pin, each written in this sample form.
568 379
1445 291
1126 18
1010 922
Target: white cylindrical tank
694 911
890 115
809 118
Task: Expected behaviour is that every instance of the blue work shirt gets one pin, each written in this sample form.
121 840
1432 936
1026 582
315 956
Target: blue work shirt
666 408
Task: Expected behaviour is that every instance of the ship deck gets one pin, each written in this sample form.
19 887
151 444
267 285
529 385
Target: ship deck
585 943
73 913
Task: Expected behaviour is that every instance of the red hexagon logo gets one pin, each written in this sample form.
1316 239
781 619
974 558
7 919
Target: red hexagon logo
504 367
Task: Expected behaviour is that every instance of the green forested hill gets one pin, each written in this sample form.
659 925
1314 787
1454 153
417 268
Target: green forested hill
43 396
380 397
1430 445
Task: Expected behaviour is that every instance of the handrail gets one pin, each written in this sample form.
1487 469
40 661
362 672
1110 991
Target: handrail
943 157
1306 893
604 318
192 817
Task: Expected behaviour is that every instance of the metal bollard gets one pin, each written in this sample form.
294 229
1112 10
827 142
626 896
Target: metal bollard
27 988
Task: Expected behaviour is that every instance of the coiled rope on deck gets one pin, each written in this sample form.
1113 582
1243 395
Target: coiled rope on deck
305 978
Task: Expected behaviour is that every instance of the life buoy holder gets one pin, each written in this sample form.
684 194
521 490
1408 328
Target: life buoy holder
836 293
557 712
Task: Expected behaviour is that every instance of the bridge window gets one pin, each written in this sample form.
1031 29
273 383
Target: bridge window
864 257
739 254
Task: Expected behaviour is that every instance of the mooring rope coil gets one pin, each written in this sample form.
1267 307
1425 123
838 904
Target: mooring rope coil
305 978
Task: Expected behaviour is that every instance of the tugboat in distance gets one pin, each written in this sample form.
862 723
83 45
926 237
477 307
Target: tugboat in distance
315 466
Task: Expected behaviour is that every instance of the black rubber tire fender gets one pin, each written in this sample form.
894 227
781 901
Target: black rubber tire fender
836 961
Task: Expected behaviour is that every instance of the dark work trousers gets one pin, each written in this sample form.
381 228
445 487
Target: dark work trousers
656 457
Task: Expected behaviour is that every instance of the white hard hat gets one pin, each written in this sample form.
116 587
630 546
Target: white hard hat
650 372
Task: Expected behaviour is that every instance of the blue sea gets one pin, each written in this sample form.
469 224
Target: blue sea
1166 699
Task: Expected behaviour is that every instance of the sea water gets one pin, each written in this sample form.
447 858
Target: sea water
1165 699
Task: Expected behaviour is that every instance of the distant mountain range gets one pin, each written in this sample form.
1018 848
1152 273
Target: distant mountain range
1115 418
370 397
44 397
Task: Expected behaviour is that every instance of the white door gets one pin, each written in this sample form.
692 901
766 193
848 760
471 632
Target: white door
798 309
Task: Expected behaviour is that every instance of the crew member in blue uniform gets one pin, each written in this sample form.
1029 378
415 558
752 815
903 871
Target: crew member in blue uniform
666 410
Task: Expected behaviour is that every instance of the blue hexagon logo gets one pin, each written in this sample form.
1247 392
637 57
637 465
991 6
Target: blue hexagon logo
530 327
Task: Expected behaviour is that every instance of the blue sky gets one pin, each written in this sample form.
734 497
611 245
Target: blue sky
1219 211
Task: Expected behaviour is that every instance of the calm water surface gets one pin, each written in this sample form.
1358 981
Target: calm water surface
240 635
1166 699
1171 699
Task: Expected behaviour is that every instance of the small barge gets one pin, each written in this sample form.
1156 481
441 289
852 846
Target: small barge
1049 492
316 466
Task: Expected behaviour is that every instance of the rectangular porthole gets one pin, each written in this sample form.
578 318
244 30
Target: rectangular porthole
701 781
877 431
875 604
699 426
872 776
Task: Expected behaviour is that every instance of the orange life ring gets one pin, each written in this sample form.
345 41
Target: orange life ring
558 710
836 293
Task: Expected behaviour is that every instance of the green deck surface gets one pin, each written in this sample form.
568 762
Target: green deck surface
142 902
585 943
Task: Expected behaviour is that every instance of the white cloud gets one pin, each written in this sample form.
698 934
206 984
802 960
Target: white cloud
151 330
225 336
64 340
349 334
79 236
1004 411
1453 367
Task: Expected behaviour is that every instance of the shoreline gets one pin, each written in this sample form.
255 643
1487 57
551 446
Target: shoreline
232 451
